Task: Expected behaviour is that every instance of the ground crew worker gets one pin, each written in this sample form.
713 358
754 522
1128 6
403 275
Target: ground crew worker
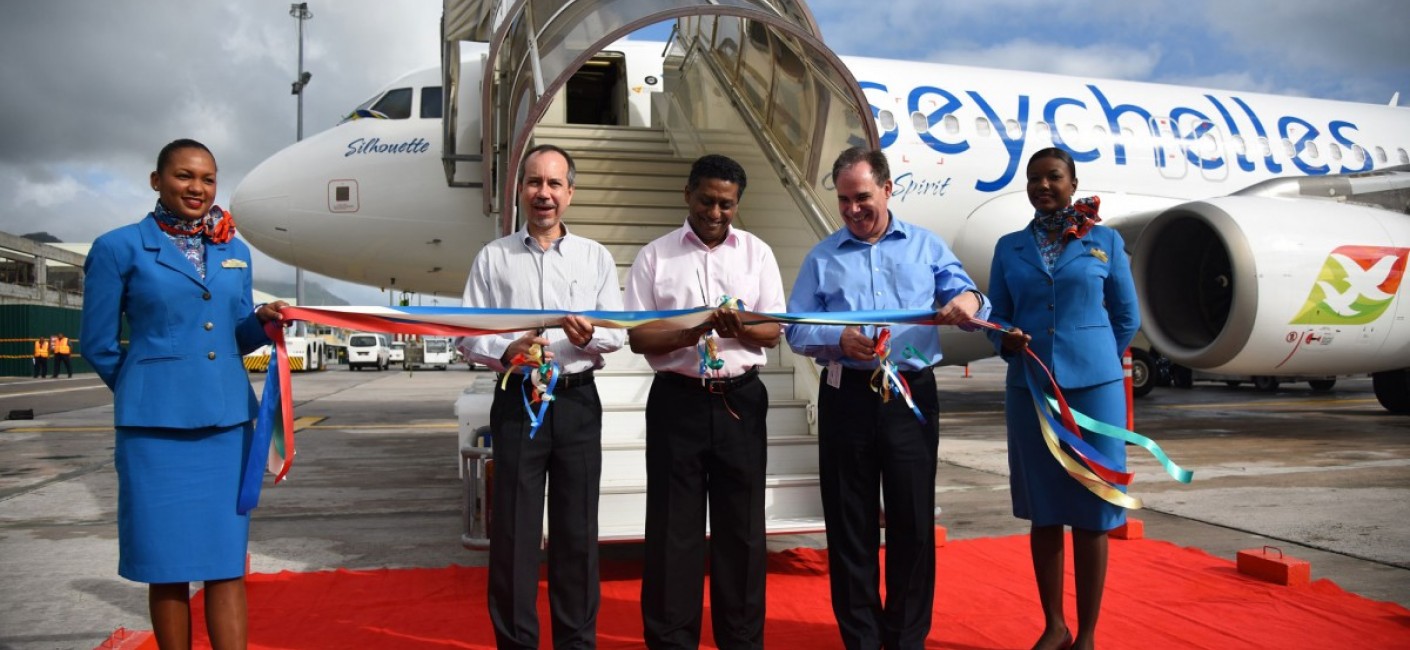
61 354
41 358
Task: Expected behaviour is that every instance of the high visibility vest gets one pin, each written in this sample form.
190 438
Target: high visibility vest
61 345
41 349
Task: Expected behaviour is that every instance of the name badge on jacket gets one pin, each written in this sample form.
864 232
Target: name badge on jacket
233 264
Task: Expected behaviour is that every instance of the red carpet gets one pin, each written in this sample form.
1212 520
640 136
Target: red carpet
1158 596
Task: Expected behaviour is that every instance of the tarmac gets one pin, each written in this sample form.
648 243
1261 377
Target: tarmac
1321 476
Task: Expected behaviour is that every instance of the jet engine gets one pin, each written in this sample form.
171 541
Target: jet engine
1256 285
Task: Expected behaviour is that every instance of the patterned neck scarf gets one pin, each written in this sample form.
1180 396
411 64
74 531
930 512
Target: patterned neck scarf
190 235
1053 230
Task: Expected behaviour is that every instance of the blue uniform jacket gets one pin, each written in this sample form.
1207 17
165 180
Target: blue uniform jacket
183 366
1081 316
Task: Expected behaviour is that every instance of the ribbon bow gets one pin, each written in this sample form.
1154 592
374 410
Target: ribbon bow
708 348
542 376
886 380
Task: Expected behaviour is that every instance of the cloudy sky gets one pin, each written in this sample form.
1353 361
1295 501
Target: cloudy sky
92 90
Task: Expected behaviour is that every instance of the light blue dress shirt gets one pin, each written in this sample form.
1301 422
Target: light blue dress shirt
909 268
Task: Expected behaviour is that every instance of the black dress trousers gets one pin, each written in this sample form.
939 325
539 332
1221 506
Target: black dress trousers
869 450
567 448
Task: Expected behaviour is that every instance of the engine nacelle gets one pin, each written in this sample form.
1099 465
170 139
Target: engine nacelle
1268 286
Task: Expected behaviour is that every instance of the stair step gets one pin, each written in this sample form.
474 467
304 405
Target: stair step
628 197
618 231
620 165
672 182
556 132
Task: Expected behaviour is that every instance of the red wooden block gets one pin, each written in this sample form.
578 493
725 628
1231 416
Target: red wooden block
1277 569
1132 529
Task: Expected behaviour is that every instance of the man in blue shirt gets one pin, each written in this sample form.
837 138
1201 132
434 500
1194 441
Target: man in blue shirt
869 448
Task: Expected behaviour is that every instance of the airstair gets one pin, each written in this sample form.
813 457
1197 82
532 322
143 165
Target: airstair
758 87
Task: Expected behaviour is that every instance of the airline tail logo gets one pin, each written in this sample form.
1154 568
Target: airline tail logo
1355 286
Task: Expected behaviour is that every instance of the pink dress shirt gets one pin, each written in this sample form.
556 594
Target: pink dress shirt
678 271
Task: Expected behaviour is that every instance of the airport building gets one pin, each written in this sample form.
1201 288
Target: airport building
41 294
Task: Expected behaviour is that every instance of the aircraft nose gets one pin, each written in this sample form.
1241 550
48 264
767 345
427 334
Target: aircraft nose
260 207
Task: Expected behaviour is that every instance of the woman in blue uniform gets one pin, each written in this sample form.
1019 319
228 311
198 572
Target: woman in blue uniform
1063 286
182 400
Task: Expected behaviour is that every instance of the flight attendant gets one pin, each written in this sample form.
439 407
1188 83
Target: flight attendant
1063 286
182 402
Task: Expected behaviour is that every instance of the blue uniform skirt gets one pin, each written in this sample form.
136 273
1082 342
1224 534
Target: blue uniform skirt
177 490
1043 492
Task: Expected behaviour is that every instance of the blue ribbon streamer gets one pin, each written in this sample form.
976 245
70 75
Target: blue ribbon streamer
253 476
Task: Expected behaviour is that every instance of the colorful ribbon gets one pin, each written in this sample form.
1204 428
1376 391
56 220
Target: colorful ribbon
542 376
886 379
1061 425
272 445
709 348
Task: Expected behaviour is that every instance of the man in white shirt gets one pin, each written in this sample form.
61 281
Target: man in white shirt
705 417
543 266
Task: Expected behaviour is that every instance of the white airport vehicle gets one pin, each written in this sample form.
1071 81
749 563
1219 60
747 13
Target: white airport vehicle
429 352
305 349
1222 197
369 350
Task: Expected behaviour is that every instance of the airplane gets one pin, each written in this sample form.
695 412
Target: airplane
1268 234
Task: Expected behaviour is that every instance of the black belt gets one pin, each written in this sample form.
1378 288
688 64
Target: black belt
864 375
565 382
718 386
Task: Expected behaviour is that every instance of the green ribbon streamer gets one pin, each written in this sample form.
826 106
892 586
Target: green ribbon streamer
1096 426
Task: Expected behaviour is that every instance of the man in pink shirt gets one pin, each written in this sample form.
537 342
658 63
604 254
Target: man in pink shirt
705 417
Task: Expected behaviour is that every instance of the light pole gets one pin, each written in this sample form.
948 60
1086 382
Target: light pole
301 12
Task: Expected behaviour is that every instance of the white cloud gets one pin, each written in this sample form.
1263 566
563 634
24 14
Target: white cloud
62 190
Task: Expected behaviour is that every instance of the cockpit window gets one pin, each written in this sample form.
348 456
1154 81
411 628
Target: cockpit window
396 104
431 102
393 104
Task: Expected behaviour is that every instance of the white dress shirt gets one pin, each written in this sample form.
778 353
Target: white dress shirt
574 274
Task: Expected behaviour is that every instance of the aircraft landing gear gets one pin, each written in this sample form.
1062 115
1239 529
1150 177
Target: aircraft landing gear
1393 389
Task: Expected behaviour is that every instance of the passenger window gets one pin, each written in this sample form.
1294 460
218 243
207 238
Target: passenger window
1380 154
1311 150
886 120
1358 154
396 104
1288 148
1335 150
1044 131
920 122
431 103
1263 144
952 124
981 126
1240 147
1014 130
1404 159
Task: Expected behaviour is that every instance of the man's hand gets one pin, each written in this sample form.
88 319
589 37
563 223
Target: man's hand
726 323
959 310
578 329
856 345
522 346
